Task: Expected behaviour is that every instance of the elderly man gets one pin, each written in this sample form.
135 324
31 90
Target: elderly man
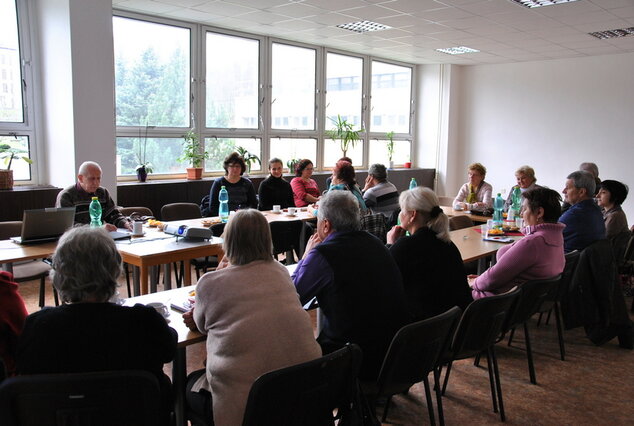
583 220
380 195
356 282
80 195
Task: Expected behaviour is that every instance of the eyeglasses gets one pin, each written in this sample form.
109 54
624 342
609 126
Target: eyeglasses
234 165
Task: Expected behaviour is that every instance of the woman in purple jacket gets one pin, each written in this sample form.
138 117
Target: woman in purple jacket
539 255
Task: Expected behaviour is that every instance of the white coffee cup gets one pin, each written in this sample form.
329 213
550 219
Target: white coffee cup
137 228
277 208
161 308
291 211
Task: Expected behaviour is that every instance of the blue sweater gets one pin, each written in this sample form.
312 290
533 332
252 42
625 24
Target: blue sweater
584 225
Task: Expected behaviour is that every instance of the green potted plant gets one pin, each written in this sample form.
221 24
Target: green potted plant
194 154
291 165
248 157
345 133
144 167
8 153
390 148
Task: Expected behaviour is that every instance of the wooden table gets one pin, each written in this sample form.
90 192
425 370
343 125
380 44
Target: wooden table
11 252
449 211
472 247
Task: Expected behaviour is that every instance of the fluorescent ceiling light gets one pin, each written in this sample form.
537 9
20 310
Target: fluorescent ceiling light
458 50
623 32
539 3
364 26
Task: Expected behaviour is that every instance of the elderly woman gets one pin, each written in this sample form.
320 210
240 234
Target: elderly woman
254 322
431 265
525 178
537 256
240 189
611 195
87 332
305 189
475 194
343 178
12 316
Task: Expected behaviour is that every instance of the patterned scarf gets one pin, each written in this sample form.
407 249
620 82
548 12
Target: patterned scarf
472 198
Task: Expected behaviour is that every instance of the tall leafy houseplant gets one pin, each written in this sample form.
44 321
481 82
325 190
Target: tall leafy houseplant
390 147
345 133
248 157
194 154
8 154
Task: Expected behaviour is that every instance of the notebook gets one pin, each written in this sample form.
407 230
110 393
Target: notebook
44 225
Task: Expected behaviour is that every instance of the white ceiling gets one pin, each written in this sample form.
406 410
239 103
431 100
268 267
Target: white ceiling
502 30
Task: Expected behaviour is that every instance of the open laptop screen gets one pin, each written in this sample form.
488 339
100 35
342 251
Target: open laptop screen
48 224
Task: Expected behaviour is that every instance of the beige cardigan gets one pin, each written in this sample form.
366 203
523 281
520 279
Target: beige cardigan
254 324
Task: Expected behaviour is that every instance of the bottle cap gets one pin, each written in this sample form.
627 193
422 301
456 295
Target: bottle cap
95 198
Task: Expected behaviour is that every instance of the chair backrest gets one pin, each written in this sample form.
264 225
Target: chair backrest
459 222
481 323
620 244
286 235
180 211
10 229
140 211
103 398
532 296
217 229
375 224
415 351
305 394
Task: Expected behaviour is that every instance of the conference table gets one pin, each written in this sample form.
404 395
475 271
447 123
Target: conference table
472 247
450 211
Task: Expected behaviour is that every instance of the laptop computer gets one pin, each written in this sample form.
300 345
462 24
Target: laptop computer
44 225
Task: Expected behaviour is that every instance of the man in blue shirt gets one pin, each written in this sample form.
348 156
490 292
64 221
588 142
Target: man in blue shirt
583 220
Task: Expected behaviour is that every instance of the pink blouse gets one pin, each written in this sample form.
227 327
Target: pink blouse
301 188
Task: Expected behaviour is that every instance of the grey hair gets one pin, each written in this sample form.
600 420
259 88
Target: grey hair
423 200
247 238
583 180
591 168
83 169
341 209
528 171
378 171
86 265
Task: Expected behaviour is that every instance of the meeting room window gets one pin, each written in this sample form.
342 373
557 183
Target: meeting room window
17 109
289 149
391 97
220 148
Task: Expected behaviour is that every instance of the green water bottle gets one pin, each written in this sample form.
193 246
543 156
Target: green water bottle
413 184
95 212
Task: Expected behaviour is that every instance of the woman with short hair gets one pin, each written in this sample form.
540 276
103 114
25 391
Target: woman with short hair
475 194
344 178
431 265
240 189
88 333
525 181
253 319
537 256
305 189
611 195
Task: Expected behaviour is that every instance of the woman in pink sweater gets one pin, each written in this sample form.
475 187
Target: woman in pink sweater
539 255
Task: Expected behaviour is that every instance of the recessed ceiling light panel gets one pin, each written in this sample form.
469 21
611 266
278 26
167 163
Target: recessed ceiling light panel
458 50
539 3
364 26
623 32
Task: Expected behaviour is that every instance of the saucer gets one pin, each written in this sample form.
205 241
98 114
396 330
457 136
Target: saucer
142 234
290 215
276 212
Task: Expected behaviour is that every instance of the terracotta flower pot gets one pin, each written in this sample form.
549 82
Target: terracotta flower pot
194 173
6 179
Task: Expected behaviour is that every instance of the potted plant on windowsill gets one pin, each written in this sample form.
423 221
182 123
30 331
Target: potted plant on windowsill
144 167
291 164
345 133
9 153
194 154
390 148
247 157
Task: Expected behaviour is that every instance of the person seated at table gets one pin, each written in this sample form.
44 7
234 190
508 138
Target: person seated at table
433 273
274 190
537 256
593 169
88 333
475 194
80 196
526 180
240 189
583 220
611 195
379 194
12 316
343 179
254 322
356 282
329 178
305 189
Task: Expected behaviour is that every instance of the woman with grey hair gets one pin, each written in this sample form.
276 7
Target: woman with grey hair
431 265
87 332
250 311
525 181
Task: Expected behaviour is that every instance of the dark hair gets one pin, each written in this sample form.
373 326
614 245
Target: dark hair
546 198
348 159
301 165
234 158
618 191
345 172
273 161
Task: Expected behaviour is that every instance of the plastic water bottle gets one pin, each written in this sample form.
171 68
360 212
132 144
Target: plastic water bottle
95 212
223 197
516 203
498 207
413 184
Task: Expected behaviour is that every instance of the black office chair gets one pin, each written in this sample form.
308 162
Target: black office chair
103 398
477 332
286 236
305 394
415 352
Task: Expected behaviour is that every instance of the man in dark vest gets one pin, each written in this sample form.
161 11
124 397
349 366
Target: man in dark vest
356 282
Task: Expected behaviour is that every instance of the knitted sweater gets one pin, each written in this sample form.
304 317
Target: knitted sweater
75 196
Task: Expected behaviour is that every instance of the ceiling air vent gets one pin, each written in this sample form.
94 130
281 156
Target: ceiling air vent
539 3
364 26
623 32
458 50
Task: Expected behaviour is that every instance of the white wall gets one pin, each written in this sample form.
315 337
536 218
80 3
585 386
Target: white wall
551 115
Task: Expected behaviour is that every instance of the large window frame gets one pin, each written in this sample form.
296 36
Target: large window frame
265 131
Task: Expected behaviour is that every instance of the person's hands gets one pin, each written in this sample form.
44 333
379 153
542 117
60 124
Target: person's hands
224 262
110 227
188 319
128 225
369 183
471 279
395 233
313 241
